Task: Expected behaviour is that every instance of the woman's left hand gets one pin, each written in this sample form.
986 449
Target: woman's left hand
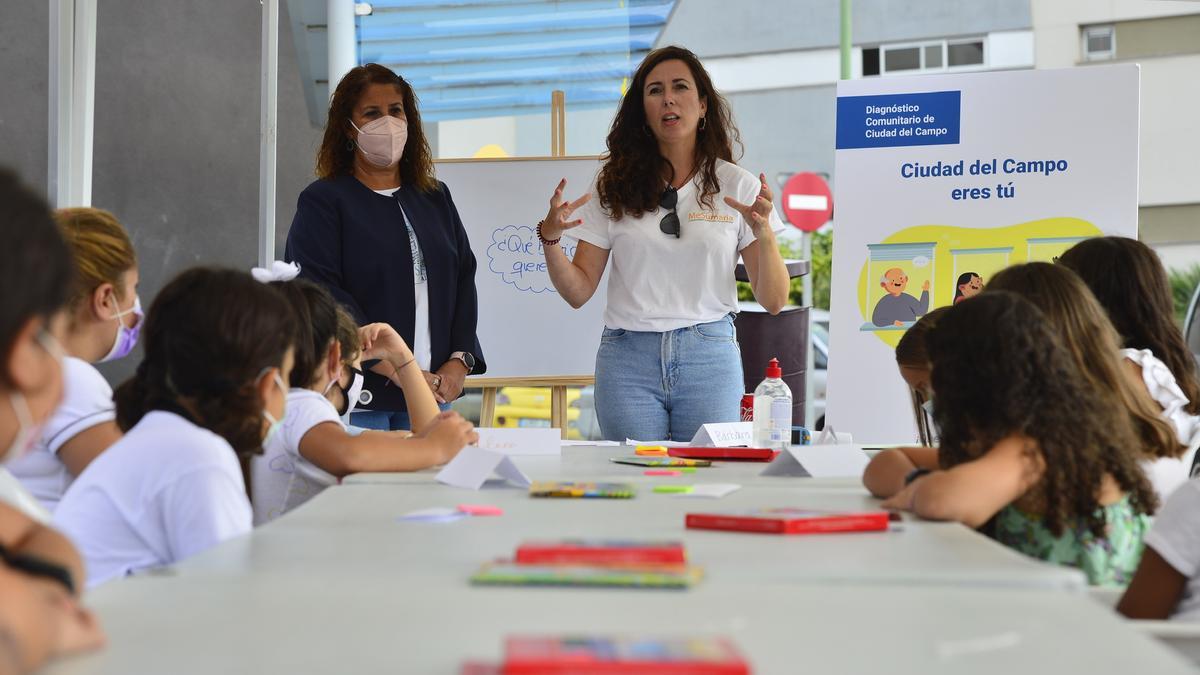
452 376
758 212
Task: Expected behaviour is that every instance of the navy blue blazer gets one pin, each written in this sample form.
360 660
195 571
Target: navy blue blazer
352 240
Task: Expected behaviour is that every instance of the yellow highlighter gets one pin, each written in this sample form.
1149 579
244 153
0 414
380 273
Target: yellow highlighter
672 489
651 450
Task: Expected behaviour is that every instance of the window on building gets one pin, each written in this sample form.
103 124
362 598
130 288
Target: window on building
927 56
870 61
964 53
1099 43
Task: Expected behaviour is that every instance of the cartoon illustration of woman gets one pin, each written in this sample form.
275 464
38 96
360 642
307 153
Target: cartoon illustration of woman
969 285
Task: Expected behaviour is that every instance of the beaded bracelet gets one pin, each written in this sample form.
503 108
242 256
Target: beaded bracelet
545 241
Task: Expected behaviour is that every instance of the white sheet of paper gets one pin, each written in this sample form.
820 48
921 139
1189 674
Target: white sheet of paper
709 490
829 436
724 435
521 441
435 514
572 443
819 461
665 444
473 466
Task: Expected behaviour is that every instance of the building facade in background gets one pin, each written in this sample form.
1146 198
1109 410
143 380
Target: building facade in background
1164 39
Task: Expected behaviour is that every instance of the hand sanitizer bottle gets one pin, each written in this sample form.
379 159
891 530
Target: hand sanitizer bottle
773 411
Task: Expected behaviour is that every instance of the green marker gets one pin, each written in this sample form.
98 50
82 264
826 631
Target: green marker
688 469
673 489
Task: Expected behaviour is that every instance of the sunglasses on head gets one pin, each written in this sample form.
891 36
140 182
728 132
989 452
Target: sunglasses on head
670 222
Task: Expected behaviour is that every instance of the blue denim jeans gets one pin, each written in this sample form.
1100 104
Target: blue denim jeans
385 420
663 386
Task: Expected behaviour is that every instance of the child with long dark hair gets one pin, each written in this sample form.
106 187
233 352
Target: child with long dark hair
314 449
1131 284
1088 335
1028 445
212 386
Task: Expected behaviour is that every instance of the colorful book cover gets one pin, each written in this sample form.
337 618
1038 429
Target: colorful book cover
610 576
571 490
790 521
661 461
600 655
602 552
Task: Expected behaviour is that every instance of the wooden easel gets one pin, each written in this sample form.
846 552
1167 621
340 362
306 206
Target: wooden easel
558 394
557 383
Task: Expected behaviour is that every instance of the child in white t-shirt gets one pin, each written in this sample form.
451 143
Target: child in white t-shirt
218 351
314 449
1167 582
104 319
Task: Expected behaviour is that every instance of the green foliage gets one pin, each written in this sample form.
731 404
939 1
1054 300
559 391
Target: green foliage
1183 285
822 258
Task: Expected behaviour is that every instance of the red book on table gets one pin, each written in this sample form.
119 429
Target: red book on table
790 521
742 454
601 552
595 655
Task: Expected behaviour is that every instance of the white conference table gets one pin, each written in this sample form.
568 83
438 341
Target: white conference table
594 463
353 527
340 585
302 624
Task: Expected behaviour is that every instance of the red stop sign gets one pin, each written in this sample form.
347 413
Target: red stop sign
807 201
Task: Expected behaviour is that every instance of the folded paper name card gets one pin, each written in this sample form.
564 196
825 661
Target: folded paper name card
473 466
819 461
724 434
521 441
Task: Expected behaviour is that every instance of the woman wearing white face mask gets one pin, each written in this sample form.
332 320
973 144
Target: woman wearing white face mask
104 318
383 235
40 571
210 390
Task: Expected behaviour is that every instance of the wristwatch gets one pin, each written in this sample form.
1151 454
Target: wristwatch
467 359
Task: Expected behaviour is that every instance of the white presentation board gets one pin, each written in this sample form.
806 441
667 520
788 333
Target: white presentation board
941 177
525 327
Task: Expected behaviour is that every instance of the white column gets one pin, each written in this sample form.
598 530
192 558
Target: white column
267 132
343 50
72 88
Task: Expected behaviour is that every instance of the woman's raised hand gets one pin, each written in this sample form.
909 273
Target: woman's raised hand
758 212
557 219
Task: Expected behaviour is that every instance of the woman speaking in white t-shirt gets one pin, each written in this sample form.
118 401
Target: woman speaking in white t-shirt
673 212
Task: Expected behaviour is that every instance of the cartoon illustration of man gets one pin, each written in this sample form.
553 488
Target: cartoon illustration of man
897 307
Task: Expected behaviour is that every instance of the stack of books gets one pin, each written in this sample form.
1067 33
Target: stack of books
601 655
591 562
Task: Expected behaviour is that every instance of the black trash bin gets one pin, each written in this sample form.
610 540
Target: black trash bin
784 336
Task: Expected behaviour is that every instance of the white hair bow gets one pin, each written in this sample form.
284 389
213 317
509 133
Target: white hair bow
278 271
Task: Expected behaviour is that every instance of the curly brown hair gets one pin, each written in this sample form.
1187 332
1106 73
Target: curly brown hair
1131 284
1086 332
999 370
631 181
335 157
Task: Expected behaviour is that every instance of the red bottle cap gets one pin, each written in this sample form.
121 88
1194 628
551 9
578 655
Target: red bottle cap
773 369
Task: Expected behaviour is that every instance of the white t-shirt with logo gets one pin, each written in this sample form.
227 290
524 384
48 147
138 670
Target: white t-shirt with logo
1175 536
87 401
281 478
422 347
660 283
167 490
